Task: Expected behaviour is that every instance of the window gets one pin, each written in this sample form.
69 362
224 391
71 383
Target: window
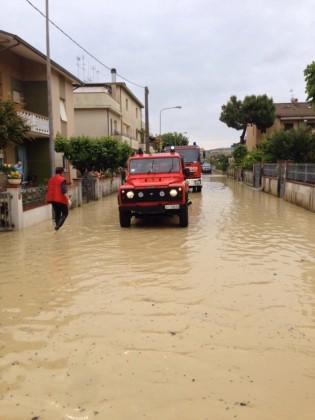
126 104
136 113
65 163
63 114
288 126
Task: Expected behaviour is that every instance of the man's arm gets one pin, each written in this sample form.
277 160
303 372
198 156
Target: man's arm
63 187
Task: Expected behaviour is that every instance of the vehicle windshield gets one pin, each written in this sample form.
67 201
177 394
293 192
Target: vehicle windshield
154 165
189 155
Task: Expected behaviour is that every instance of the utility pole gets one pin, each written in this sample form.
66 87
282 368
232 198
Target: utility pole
49 97
147 135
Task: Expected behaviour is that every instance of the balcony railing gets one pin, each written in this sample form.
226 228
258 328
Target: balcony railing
37 123
121 133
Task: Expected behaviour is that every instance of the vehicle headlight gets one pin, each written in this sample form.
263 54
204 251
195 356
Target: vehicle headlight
140 194
162 193
173 193
130 194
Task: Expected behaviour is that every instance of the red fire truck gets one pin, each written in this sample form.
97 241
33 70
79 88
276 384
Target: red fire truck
191 156
155 185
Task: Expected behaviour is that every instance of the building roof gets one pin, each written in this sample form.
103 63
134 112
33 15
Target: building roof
124 86
93 88
106 88
18 46
294 109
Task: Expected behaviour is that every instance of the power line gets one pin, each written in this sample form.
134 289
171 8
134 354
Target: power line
80 46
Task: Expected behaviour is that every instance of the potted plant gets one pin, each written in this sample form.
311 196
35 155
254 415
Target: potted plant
5 169
14 177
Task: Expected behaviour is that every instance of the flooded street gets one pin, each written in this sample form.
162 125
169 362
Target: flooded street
216 321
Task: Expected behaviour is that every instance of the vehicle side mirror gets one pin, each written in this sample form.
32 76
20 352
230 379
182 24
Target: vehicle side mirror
186 171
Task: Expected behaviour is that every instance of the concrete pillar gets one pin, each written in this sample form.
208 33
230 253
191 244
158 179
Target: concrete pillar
78 183
16 206
97 187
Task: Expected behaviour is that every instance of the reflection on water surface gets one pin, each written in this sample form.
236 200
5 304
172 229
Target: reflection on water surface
156 321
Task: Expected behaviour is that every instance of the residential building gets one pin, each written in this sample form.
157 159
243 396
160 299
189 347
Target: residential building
207 154
23 78
220 151
109 110
288 115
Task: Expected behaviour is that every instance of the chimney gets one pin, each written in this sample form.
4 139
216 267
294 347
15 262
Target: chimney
113 71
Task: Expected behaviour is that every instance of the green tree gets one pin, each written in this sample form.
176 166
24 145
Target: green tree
239 153
257 155
246 159
124 154
176 139
232 114
309 75
220 161
13 128
258 110
99 154
297 145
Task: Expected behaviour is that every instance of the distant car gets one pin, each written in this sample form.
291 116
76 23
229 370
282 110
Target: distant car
206 168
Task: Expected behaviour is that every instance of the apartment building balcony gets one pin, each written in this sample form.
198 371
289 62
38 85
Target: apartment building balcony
126 138
39 125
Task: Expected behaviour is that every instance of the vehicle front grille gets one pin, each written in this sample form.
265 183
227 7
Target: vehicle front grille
151 194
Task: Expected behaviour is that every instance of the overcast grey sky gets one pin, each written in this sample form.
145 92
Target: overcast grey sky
192 53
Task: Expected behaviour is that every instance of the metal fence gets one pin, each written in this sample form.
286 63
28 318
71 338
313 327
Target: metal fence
299 172
5 211
270 169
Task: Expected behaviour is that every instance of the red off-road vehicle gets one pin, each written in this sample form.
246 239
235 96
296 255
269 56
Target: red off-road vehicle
155 185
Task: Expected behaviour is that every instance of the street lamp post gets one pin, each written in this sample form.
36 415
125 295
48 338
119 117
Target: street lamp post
49 97
163 109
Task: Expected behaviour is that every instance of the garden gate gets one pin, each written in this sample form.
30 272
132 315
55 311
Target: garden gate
5 211
88 187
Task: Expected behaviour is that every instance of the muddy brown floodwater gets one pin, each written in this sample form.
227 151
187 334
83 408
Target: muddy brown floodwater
158 322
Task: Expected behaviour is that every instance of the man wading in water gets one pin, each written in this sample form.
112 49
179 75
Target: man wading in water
56 195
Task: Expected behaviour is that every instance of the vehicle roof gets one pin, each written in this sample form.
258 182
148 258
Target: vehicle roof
155 155
189 146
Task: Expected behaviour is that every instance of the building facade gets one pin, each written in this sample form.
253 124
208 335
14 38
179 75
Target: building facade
23 78
287 116
109 110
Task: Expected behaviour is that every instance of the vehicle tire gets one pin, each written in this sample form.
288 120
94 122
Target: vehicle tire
124 218
198 189
183 217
